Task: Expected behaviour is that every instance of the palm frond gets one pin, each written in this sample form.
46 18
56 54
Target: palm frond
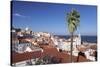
73 19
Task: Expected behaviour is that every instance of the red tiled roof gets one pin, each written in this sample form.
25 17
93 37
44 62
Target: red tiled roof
65 58
16 57
47 50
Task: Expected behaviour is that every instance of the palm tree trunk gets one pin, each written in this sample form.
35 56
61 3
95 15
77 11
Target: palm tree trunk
71 47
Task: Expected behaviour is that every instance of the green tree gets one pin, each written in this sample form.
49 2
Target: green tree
73 21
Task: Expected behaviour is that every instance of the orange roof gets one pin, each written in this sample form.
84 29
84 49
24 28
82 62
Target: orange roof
16 57
47 50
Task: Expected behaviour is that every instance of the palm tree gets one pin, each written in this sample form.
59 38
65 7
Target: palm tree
73 21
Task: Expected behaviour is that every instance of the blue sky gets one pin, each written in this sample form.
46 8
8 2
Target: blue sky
47 17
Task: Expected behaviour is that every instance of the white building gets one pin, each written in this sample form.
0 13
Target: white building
54 40
20 48
25 47
65 45
27 30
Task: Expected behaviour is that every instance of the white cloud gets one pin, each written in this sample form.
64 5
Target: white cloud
18 15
